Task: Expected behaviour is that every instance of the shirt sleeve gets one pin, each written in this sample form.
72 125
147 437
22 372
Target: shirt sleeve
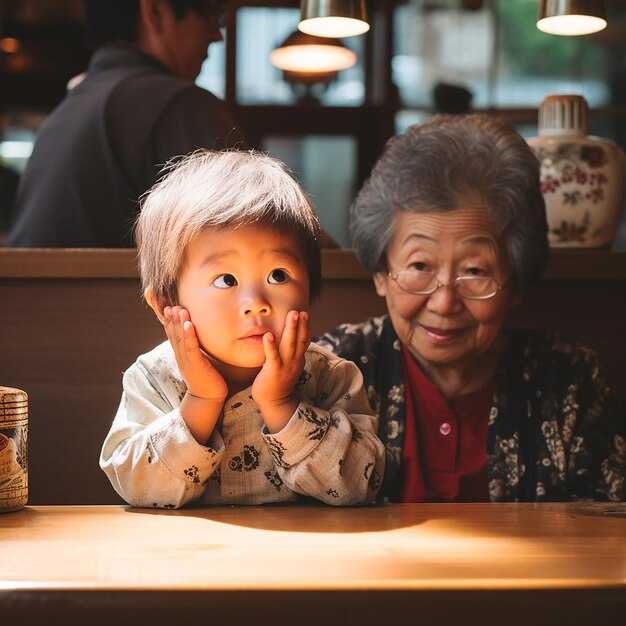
149 455
329 449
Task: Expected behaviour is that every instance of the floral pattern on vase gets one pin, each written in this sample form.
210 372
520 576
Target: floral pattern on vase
582 184
582 177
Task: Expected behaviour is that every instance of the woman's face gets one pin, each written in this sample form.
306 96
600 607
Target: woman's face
443 330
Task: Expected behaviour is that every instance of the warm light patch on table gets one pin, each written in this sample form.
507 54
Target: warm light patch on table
307 548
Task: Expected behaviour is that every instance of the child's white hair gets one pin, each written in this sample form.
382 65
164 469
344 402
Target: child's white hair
213 190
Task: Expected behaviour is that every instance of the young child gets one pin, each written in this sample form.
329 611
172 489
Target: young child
238 407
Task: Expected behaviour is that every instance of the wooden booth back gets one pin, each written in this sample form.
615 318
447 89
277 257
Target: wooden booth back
71 322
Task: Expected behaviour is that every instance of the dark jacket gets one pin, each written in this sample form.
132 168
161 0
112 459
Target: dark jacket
103 147
556 430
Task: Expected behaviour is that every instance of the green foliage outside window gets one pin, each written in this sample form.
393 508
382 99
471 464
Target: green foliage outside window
525 50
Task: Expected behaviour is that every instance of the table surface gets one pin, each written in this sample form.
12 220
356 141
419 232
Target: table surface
388 547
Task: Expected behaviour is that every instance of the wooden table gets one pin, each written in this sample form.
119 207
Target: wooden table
428 564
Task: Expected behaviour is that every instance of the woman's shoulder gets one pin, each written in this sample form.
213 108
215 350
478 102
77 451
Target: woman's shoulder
546 346
353 338
544 357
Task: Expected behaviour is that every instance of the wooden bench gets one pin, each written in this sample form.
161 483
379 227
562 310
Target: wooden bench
71 321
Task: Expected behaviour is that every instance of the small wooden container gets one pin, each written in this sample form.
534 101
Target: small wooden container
13 449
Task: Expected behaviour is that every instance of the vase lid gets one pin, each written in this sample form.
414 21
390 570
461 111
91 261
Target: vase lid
563 116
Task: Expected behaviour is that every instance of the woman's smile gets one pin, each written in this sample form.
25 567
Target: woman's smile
441 336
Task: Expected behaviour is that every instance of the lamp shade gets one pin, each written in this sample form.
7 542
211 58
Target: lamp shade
307 53
571 17
9 45
333 18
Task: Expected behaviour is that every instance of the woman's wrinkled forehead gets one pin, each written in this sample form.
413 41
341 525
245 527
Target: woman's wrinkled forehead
468 227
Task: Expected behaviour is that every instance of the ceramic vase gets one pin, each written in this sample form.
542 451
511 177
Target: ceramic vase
582 177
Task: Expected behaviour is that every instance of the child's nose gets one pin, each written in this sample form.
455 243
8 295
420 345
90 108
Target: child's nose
254 303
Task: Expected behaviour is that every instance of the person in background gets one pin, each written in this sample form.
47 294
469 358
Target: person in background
451 99
452 226
9 180
238 407
135 108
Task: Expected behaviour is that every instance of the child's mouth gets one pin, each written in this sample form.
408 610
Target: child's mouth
254 336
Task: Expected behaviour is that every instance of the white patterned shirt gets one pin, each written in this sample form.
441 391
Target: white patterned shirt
328 450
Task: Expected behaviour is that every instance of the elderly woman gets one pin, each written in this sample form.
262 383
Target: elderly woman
452 227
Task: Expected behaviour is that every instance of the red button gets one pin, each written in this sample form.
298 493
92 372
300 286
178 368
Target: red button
445 429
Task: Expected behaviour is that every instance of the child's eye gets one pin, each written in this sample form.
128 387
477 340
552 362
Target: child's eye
277 277
225 281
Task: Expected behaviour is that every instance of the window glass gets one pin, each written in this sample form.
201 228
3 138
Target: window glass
325 166
16 145
261 30
495 52
212 76
439 42
530 64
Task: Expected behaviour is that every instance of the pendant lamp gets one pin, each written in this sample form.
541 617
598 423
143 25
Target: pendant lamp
307 53
310 64
333 18
571 17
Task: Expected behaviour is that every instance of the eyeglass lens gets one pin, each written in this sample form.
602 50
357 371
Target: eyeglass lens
426 282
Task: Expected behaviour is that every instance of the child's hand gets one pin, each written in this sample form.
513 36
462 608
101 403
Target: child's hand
273 388
203 380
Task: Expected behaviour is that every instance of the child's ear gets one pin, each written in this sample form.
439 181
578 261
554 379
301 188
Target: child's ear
155 304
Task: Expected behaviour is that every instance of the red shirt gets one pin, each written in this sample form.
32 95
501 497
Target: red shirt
445 442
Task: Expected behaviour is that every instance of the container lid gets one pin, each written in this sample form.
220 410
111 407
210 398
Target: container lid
11 398
563 115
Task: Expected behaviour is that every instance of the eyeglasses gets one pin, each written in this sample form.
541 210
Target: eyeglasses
426 283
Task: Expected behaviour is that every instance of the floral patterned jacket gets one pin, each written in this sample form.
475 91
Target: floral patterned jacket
328 450
556 431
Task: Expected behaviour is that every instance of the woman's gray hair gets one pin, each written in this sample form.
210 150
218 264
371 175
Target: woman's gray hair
443 162
214 190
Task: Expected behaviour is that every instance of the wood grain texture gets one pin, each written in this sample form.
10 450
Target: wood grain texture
430 546
596 265
431 563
